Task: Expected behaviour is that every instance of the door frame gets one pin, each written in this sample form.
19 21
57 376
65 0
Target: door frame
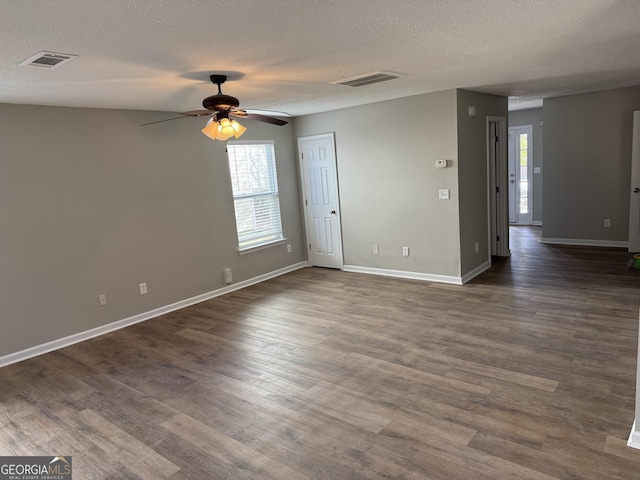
497 186
633 244
308 227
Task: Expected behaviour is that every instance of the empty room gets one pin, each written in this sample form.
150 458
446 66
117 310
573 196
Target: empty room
319 240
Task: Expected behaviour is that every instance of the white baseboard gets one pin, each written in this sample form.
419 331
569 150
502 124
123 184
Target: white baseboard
476 271
584 242
634 437
141 317
537 223
404 274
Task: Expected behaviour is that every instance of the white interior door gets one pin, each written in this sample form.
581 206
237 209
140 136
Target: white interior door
321 201
634 194
520 174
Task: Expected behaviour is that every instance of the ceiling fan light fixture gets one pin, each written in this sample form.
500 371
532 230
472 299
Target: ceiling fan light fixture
211 129
223 129
239 129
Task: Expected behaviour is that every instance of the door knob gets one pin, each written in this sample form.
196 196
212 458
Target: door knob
333 212
636 190
513 181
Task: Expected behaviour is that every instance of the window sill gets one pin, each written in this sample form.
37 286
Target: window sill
263 246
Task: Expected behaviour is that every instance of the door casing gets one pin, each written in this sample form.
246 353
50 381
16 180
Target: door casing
634 197
497 186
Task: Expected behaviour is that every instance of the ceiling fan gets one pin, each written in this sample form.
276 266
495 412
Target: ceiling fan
220 107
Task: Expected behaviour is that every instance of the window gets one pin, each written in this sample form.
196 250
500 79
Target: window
255 193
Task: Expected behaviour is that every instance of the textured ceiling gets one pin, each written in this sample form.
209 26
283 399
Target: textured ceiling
281 55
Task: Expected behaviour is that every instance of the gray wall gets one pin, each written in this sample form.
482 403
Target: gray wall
388 182
472 174
91 203
587 155
533 117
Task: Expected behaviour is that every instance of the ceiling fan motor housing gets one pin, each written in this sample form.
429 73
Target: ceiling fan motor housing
220 102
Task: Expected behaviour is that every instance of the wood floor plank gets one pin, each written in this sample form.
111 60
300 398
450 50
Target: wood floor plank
418 376
526 372
317 459
444 458
536 459
346 406
229 450
118 444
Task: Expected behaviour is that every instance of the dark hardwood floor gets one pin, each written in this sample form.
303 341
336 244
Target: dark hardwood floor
526 372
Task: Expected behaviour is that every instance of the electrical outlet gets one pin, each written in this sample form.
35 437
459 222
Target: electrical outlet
102 298
477 247
376 249
441 164
405 251
288 248
143 288
228 277
607 222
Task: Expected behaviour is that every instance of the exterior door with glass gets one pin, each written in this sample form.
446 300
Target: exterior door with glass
520 174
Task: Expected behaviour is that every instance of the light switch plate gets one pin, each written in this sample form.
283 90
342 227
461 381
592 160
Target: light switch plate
443 194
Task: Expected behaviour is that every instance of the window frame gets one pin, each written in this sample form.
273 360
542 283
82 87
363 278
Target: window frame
247 245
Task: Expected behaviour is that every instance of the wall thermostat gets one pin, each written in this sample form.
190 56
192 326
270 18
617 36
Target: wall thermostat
441 164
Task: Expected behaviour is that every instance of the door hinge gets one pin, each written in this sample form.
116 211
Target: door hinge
497 189
497 238
309 247
305 202
497 139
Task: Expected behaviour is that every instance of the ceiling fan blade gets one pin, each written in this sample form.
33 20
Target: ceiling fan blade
258 117
197 113
192 113
160 121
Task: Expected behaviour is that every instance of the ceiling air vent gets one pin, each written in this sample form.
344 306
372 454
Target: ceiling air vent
367 79
48 60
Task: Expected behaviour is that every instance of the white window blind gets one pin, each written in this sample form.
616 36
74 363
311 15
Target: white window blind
255 193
